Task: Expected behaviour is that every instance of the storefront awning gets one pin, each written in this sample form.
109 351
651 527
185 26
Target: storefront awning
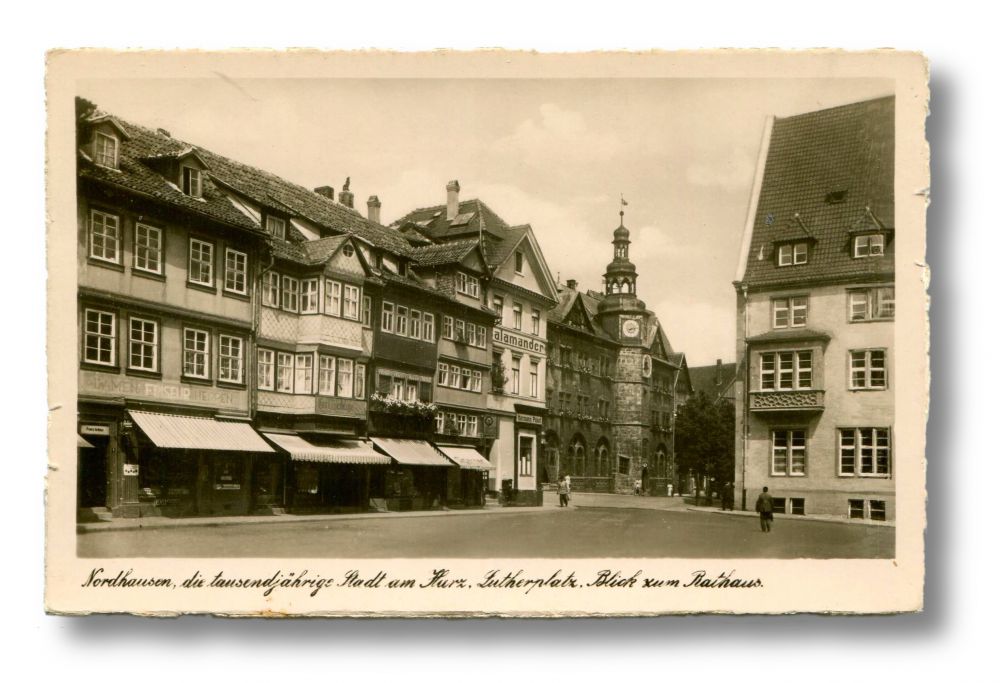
199 433
412 452
83 443
346 452
466 458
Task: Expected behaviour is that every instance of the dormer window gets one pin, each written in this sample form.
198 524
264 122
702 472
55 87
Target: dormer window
793 254
191 181
106 150
869 245
275 227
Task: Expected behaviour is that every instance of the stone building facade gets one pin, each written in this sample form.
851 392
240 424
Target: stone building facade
815 307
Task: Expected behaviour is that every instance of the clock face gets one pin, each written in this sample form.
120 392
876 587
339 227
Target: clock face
630 328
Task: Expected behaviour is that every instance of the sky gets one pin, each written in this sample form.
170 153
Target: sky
558 154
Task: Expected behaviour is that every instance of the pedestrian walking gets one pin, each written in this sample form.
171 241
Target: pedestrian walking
765 506
564 491
728 496
637 487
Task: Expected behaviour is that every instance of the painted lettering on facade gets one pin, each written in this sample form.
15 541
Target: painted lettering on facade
116 385
518 341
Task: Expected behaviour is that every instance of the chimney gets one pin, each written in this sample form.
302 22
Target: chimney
346 196
718 371
326 191
164 132
374 209
453 189
571 284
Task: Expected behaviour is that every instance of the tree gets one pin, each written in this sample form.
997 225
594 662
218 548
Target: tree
704 439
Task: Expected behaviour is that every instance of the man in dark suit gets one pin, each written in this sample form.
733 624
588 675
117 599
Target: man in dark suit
765 507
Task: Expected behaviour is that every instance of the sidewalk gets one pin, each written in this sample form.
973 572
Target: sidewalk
797 518
120 524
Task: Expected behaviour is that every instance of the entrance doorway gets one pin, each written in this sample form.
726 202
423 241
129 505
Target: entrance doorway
92 473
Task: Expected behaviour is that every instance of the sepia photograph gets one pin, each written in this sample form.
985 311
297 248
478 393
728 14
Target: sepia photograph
639 315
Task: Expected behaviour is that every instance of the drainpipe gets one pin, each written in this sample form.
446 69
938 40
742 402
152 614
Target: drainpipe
745 432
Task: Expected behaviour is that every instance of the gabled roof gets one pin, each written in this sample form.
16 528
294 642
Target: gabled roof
824 172
499 250
444 254
473 216
257 185
713 380
569 300
308 252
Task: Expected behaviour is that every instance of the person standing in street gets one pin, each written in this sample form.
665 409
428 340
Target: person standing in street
728 496
564 491
765 507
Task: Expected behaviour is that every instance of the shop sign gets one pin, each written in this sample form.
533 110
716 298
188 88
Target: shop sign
529 419
95 430
130 469
104 384
518 341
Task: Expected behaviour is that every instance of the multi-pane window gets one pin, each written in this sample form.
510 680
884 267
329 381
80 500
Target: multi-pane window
106 150
525 455
517 316
455 379
868 369
875 303
327 375
467 284
289 294
303 373
793 254
790 312
876 510
859 508
309 298
352 295
788 452
286 373
443 374
460 331
196 361
105 237
448 327
498 305
275 226
272 289
786 370
142 344
332 298
265 369
388 315
359 380
366 311
481 336
477 380
99 337
466 379
230 358
200 262
865 452
533 379
856 508
428 327
148 249
416 323
402 319
869 245
191 181
345 377
515 375
236 271
536 317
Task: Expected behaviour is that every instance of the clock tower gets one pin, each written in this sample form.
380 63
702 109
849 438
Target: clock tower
622 314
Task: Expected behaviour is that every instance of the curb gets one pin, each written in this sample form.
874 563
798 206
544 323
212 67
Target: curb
797 518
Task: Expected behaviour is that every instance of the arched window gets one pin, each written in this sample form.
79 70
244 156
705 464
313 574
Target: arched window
603 459
661 461
577 455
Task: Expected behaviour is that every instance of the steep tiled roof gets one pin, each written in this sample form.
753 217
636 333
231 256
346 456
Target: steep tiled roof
136 175
260 186
824 171
714 380
473 216
444 254
567 300
498 250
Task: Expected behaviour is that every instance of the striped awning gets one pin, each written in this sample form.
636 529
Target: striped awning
466 458
345 452
199 433
411 452
83 443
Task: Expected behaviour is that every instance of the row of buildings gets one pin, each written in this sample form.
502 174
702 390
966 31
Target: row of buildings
249 346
